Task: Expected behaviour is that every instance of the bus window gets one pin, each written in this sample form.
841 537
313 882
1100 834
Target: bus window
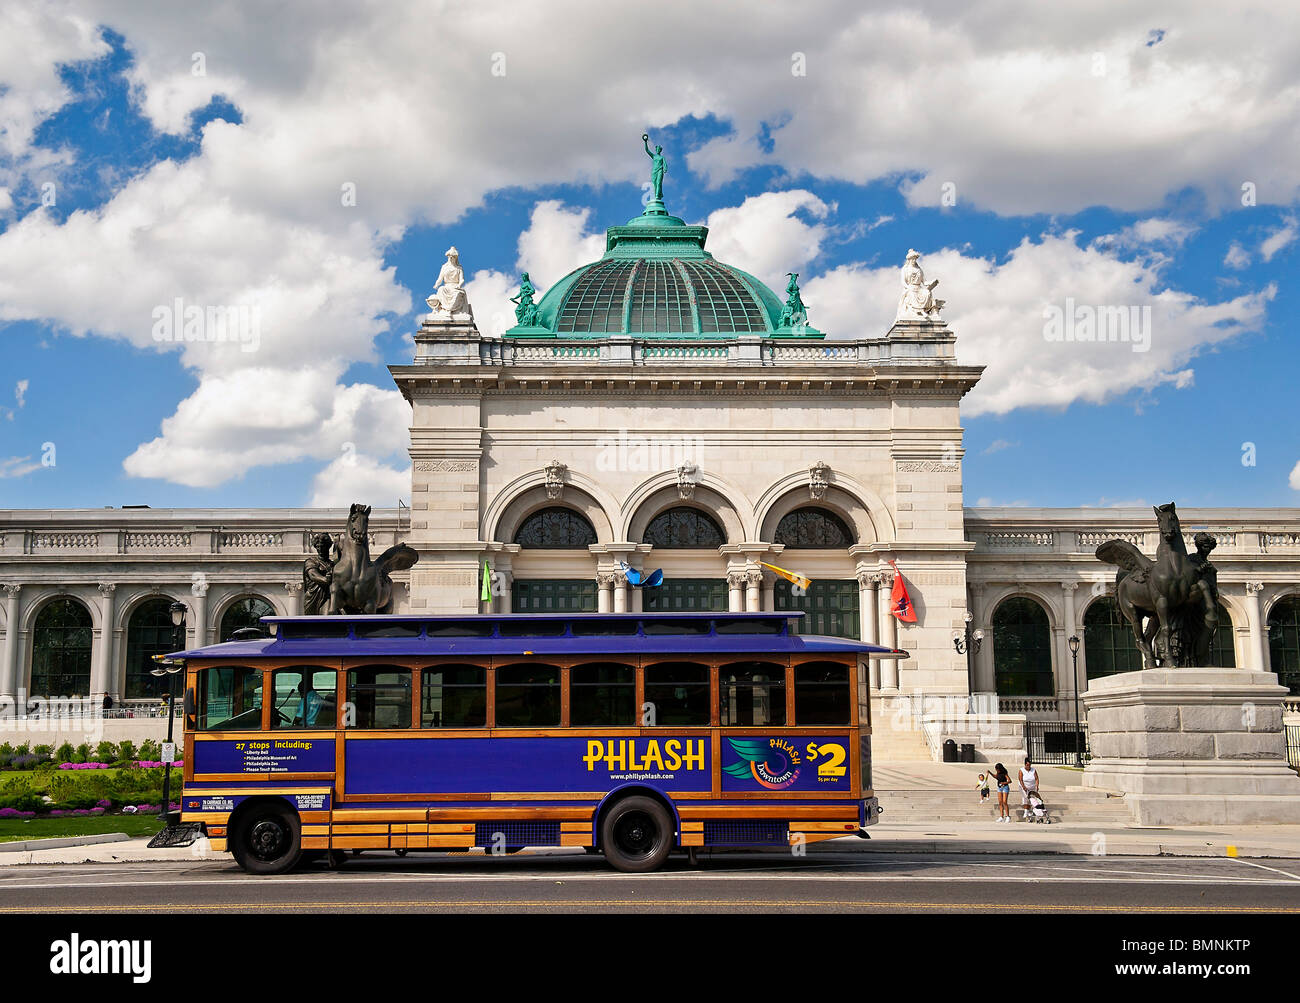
230 699
528 696
602 694
453 696
304 697
752 693
380 696
677 694
822 694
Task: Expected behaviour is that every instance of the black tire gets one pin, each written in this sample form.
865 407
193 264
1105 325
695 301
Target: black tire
636 835
267 840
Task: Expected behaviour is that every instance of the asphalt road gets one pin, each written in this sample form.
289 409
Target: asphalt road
566 882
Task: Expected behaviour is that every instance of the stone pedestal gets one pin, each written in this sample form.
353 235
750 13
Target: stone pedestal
1192 746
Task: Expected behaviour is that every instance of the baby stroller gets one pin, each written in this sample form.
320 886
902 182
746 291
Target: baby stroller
1036 811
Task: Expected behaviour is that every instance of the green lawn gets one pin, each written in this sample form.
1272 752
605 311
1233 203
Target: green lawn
12 829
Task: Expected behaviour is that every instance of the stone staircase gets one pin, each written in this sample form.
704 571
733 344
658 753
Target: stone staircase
891 743
1074 804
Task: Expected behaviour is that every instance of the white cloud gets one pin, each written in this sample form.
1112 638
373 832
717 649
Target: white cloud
997 445
997 311
764 236
558 240
20 392
356 477
257 417
36 40
1282 237
1237 257
17 466
1294 479
1151 231
1012 114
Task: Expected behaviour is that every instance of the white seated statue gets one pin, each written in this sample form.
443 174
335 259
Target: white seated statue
449 299
918 301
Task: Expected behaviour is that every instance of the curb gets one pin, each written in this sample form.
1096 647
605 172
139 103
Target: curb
1115 846
58 842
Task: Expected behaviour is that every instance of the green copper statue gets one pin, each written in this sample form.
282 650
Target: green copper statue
794 314
525 309
656 167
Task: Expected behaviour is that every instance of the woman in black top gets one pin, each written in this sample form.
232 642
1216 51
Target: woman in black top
1003 781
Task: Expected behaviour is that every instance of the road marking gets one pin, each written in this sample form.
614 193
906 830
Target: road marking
559 876
1275 870
642 904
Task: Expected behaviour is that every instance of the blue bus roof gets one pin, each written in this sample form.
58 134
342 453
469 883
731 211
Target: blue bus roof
542 634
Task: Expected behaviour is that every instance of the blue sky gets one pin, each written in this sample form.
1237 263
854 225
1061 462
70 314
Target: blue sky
223 187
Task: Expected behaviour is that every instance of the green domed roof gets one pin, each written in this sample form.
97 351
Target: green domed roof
656 280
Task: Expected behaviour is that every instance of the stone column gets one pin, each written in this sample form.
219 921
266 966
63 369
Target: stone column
888 633
1070 627
295 598
753 583
9 666
982 655
620 592
604 591
868 620
1257 657
503 590
101 667
735 591
199 613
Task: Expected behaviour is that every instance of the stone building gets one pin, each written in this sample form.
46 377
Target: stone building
661 409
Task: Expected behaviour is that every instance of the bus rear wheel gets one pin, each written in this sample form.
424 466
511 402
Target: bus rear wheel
636 835
266 840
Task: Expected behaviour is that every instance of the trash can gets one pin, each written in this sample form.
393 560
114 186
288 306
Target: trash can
968 753
949 751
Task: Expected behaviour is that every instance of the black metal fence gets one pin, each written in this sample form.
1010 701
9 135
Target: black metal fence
1056 742
1293 745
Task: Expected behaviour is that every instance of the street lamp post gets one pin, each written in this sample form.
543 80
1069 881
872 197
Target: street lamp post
1078 745
968 640
169 669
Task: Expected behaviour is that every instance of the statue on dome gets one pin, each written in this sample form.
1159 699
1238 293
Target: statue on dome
918 301
449 295
795 314
656 167
526 314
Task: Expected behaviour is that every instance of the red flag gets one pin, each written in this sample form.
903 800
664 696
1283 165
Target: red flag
900 603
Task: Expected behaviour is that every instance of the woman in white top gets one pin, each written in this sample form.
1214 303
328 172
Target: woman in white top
1028 782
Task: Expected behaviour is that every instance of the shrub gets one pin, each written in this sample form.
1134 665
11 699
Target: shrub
43 750
126 751
24 750
82 754
149 749
65 752
106 752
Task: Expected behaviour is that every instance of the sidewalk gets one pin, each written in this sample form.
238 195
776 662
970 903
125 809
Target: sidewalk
1276 841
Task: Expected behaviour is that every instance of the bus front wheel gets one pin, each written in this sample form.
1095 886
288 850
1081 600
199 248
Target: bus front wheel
636 835
266 840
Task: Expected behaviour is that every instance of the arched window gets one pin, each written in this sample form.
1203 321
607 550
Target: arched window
1284 642
555 529
1108 642
61 650
1223 650
813 529
1022 649
684 529
148 633
245 612
1109 645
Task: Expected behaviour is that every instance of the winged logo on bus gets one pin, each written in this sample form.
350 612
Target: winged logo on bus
774 764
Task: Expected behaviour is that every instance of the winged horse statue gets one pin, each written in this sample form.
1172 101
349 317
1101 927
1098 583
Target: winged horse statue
358 584
1167 592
